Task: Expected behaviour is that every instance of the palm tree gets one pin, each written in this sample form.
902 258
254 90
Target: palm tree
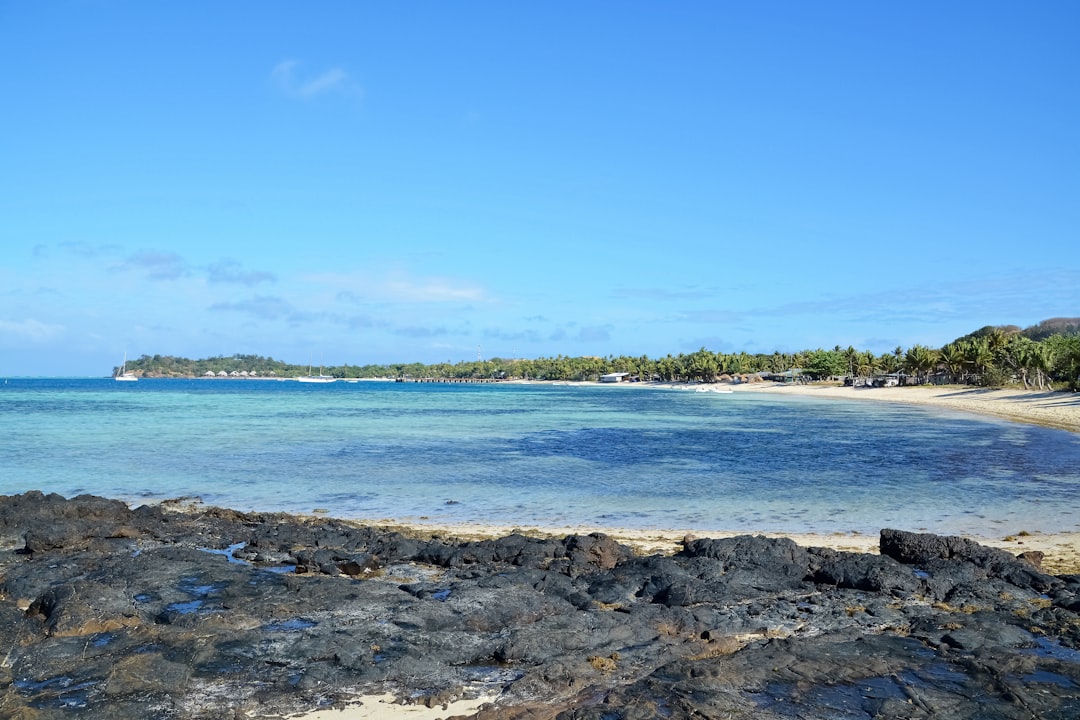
1042 360
703 365
920 360
1027 357
1065 352
996 340
978 355
867 364
851 357
952 356
646 368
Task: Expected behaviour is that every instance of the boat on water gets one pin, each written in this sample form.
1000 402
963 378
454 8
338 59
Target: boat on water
123 375
316 378
320 378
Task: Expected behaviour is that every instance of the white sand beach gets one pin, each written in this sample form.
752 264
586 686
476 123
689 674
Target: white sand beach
1057 409
1051 409
386 707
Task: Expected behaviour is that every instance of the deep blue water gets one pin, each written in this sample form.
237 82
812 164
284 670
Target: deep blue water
540 455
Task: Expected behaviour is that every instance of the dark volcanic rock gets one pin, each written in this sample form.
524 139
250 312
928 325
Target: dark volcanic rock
925 549
875 573
46 522
107 612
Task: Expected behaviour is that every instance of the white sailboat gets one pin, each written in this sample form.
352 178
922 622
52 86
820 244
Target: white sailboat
316 378
320 378
123 375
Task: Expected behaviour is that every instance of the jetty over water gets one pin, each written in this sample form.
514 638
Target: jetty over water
448 380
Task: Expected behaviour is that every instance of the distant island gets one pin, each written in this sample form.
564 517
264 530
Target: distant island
1043 356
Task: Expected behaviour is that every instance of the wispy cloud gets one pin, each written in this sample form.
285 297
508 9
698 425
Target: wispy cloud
162 265
1014 296
362 289
663 294
78 248
231 271
420 332
264 307
158 265
29 330
594 333
335 80
431 290
83 249
711 316
519 336
359 322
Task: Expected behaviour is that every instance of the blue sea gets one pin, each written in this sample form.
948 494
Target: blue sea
540 455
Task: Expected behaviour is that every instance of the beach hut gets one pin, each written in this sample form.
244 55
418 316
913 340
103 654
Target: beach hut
613 377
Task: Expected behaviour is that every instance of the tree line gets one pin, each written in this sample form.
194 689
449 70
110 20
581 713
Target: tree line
992 356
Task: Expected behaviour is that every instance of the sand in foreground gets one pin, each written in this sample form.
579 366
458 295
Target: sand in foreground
384 707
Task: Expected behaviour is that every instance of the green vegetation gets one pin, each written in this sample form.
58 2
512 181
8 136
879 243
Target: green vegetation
1037 357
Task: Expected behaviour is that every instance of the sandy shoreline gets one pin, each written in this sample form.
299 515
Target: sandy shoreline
1050 409
1056 409
386 707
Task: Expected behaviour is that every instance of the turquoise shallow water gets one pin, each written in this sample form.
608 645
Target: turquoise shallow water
540 455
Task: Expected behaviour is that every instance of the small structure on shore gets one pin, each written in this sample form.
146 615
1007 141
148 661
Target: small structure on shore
613 377
794 375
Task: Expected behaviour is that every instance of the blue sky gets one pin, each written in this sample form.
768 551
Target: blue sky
376 182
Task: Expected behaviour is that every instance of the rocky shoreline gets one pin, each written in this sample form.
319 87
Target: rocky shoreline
112 612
